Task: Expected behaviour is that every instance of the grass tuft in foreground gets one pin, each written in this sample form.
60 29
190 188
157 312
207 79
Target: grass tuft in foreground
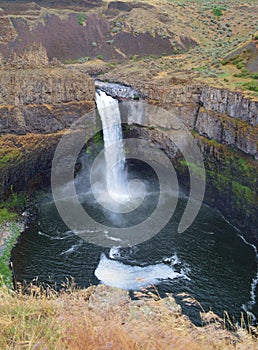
106 318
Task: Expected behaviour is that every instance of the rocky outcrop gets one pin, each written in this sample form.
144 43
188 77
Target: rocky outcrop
224 125
230 103
231 185
43 101
35 56
117 90
49 86
32 56
37 105
225 116
229 131
41 118
25 161
229 118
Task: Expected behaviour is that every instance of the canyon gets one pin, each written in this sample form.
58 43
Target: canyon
38 105
181 66
51 51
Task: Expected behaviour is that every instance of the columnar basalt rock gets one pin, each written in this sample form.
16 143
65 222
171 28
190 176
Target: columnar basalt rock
230 103
36 106
229 118
43 101
224 125
45 86
225 116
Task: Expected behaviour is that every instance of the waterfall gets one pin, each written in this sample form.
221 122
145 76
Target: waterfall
115 175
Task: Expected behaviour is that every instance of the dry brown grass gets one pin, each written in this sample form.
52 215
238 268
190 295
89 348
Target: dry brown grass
105 318
26 322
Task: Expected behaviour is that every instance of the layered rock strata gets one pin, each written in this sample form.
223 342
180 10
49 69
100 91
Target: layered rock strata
225 126
36 105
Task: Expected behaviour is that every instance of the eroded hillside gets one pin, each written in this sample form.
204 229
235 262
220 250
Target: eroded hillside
148 39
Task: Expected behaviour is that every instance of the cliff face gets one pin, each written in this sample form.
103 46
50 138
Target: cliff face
229 118
25 161
225 116
234 104
37 105
43 101
225 126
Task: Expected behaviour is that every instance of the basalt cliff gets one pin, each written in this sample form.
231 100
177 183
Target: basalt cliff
36 106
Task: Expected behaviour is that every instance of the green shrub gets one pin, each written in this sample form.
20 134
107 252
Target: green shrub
78 60
81 18
70 61
111 64
6 215
217 11
9 155
224 62
16 201
252 85
236 59
254 75
98 138
84 59
240 65
5 271
244 74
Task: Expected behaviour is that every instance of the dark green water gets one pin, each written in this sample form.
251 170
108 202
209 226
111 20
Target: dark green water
210 261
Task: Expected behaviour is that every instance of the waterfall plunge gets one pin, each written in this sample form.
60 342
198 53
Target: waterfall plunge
115 174
121 195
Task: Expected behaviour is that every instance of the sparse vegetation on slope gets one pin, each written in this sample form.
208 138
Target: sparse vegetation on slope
177 36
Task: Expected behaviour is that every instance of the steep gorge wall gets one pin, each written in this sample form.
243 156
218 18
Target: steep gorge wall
43 101
225 126
36 105
229 118
227 133
225 116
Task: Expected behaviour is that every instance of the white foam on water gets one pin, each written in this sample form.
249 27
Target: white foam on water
81 232
173 260
44 234
117 274
71 250
250 304
247 307
114 253
67 235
